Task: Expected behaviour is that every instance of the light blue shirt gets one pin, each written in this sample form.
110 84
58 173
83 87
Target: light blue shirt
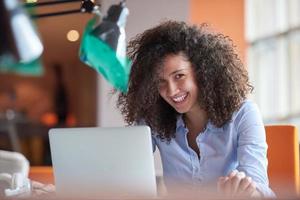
240 144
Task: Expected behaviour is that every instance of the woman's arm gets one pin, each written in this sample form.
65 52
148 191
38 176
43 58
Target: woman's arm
251 155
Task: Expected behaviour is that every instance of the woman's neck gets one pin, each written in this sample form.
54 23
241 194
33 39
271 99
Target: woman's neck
196 119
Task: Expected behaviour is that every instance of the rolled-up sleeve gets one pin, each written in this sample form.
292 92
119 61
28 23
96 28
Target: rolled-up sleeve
252 149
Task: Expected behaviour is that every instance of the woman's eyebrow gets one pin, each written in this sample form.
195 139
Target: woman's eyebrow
176 71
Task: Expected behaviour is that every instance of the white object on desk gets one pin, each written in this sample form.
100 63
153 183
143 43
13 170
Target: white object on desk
19 185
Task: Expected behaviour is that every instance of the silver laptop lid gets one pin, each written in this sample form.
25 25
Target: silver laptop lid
95 162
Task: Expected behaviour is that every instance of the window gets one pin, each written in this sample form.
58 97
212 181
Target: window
273 56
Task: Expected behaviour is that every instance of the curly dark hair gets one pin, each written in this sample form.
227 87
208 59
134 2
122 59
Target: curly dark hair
221 77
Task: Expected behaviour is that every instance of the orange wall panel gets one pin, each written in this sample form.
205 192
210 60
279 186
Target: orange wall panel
226 16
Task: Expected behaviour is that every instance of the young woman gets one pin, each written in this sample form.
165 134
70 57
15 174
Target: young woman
189 85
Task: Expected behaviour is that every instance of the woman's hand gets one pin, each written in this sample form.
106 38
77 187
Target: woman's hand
237 184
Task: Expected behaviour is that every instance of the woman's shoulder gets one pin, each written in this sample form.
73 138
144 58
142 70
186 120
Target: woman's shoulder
248 111
247 106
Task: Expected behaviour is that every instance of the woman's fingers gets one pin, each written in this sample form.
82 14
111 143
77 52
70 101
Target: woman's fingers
221 183
251 189
233 173
245 183
236 182
227 188
228 184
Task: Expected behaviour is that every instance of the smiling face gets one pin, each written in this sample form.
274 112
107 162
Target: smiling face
177 83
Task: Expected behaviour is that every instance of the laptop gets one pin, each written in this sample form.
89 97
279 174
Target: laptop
99 162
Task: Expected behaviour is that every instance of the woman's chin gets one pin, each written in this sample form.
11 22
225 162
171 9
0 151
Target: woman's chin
181 110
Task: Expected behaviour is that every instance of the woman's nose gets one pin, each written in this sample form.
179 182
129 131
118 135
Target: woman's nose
172 89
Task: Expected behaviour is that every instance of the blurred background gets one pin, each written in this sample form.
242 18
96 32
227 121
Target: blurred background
70 94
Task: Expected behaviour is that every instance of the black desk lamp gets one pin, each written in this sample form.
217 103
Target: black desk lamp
103 46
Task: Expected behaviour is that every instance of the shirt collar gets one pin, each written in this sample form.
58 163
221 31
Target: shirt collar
210 126
180 123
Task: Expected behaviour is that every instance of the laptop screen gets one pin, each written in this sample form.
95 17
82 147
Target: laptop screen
95 162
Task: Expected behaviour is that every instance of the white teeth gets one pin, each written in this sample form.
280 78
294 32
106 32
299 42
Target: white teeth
180 98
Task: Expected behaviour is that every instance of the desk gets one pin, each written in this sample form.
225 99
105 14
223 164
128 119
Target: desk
43 174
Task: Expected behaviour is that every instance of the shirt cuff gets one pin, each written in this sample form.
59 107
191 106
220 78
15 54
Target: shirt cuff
265 190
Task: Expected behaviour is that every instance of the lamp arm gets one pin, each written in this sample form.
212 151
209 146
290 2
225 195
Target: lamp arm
56 13
29 5
86 6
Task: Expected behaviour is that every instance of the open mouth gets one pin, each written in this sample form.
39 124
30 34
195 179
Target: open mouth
180 99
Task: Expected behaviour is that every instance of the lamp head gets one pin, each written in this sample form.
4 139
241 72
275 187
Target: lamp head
19 41
103 46
109 30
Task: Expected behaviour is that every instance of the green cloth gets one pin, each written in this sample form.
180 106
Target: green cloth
100 56
33 68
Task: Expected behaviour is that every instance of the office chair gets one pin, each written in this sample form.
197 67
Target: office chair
283 157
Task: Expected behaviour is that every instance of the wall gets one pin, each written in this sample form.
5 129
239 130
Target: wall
226 16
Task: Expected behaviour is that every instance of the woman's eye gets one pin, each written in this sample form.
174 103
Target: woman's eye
179 76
